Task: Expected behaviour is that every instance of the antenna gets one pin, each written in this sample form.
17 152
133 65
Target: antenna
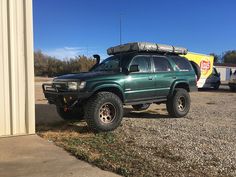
120 28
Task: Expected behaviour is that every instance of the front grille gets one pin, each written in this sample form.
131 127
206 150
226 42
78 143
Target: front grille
52 98
60 86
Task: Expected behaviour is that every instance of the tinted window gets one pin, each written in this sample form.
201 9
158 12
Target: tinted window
143 62
161 64
110 64
182 63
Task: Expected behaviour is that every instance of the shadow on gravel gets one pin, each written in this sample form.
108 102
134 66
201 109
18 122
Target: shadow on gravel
79 127
148 114
48 119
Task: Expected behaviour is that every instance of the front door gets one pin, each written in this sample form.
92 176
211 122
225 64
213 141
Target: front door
140 85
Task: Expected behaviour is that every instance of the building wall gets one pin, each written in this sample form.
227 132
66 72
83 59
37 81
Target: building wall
17 110
225 72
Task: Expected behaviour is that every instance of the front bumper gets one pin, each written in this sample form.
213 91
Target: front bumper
63 98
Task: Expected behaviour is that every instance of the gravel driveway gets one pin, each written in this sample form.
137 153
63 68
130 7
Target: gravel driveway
201 144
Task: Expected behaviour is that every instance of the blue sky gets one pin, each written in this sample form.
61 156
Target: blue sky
65 28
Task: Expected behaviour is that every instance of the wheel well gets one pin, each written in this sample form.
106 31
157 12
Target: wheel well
183 85
113 90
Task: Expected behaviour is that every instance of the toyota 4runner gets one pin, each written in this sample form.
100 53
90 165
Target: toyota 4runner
136 74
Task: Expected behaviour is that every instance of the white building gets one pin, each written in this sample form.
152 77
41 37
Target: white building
17 115
224 70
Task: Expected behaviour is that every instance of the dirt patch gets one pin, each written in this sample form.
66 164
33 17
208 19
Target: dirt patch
42 79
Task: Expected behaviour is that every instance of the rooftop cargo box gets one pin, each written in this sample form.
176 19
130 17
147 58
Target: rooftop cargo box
146 47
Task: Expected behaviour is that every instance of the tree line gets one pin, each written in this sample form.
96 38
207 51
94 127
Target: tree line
228 57
50 66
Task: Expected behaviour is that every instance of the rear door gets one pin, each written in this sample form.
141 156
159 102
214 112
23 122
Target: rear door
140 85
164 75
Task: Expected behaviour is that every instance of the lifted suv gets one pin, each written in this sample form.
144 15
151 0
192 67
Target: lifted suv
136 74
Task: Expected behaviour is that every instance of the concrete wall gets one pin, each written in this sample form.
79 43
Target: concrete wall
17 110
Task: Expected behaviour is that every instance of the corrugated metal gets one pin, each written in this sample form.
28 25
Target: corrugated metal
17 115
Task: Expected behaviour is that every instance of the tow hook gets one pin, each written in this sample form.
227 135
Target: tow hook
75 102
67 108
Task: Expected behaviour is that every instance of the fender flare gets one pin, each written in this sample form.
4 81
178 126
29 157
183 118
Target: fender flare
109 87
173 86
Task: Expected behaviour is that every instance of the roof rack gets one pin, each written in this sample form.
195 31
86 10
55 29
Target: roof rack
146 47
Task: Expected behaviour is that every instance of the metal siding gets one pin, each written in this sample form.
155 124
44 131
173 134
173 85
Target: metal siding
17 115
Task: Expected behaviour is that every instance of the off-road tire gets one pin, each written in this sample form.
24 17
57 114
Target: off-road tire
93 113
75 114
141 107
172 104
196 69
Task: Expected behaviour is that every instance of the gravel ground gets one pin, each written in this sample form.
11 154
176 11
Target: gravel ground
201 144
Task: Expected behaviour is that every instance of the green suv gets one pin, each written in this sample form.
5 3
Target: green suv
136 74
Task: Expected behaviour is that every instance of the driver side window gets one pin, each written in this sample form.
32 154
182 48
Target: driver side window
143 62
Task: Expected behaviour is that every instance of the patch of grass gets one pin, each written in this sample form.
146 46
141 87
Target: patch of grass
103 149
109 151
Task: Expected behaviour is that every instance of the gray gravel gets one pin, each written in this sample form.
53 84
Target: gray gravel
201 144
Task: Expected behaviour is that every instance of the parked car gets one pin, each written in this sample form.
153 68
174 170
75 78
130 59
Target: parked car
232 82
136 74
213 81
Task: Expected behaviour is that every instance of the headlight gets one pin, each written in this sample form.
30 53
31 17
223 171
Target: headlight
75 85
72 85
82 84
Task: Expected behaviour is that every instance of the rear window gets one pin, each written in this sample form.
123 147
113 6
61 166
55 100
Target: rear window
161 64
182 63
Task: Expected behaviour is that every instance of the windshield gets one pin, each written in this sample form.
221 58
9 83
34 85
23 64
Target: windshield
114 63
109 64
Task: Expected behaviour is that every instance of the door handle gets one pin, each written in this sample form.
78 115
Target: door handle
174 77
150 78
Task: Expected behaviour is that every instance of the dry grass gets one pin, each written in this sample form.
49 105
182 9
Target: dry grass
104 150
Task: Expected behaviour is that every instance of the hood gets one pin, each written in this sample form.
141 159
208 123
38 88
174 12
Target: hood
84 75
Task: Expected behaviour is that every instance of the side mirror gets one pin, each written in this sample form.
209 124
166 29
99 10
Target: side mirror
134 68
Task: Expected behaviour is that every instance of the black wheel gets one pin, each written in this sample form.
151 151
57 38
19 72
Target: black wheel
217 86
141 107
196 69
104 111
75 114
178 104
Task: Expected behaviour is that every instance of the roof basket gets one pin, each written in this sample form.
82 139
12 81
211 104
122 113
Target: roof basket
146 47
